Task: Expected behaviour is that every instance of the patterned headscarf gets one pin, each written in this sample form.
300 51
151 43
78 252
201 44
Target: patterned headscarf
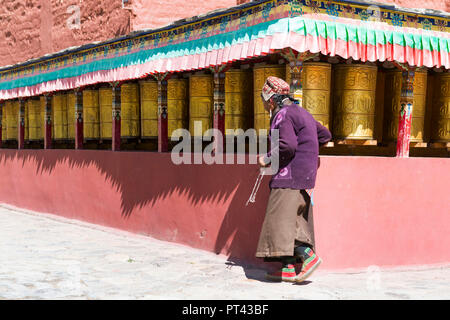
274 85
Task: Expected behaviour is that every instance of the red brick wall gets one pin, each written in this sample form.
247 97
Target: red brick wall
161 13
32 28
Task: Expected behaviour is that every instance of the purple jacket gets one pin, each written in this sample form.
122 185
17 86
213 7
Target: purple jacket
299 138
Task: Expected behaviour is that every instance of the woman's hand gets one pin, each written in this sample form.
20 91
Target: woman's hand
262 163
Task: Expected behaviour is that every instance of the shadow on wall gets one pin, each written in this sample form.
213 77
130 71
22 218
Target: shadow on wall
209 195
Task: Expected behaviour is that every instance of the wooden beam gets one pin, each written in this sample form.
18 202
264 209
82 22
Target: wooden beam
79 136
163 123
295 63
2 104
405 116
21 125
163 116
48 122
116 116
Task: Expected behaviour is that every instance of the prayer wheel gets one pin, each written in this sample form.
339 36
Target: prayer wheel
59 115
105 102
392 105
149 108
201 100
238 88
354 101
260 74
12 118
440 127
33 124
177 107
130 126
71 100
316 78
91 114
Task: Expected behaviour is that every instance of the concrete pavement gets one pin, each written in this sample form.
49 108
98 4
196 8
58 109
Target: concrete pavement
48 257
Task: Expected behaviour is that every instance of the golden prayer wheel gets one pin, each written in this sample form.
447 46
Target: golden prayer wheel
177 107
71 101
201 90
260 74
392 105
440 127
149 108
316 79
238 88
59 115
105 102
91 114
129 97
11 112
33 124
354 101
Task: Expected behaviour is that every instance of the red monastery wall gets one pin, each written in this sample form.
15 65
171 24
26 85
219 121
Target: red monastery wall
368 210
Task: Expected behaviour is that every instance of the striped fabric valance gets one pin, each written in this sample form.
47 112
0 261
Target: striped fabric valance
330 35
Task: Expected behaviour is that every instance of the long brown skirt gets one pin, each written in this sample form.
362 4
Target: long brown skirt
288 220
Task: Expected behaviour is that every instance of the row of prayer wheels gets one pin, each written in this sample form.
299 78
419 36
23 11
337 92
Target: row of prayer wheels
188 100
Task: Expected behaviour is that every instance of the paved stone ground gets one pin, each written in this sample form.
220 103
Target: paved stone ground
47 257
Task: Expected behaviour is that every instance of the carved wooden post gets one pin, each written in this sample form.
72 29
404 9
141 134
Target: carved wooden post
116 116
163 123
21 125
406 108
48 122
1 122
79 119
219 101
294 71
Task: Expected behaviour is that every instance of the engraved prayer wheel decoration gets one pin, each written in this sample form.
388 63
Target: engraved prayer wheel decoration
392 105
354 103
33 123
201 98
59 116
260 74
177 106
11 113
238 86
440 127
105 103
91 114
316 78
149 108
130 120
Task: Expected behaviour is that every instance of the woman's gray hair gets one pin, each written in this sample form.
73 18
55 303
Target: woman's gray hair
280 98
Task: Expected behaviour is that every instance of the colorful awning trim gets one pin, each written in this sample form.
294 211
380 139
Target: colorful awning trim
253 32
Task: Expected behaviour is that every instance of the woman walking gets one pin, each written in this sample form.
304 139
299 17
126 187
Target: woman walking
287 233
